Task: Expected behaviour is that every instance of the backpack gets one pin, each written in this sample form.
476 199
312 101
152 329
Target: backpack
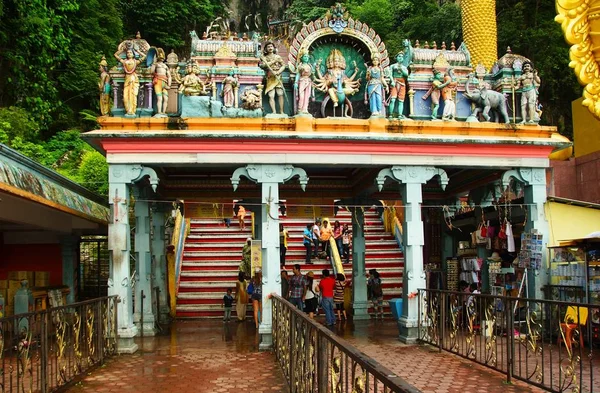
376 288
250 288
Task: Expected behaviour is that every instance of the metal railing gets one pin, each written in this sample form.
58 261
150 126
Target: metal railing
42 351
545 343
314 359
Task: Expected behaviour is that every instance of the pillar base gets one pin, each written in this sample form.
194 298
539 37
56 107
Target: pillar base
148 328
126 343
266 339
361 311
409 330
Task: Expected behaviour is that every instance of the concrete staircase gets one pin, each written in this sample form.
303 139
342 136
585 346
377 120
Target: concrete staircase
212 255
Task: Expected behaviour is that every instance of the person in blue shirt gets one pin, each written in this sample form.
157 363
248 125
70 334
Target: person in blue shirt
308 242
227 304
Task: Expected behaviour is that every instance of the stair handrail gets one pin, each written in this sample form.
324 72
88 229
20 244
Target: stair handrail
397 232
252 219
180 230
336 260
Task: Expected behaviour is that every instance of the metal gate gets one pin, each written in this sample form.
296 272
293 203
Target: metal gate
93 267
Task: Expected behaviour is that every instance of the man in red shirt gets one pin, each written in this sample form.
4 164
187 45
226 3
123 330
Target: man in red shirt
326 286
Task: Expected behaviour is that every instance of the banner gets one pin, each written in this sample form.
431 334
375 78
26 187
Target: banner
255 255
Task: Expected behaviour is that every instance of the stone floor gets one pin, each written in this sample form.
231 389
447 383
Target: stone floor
209 356
196 356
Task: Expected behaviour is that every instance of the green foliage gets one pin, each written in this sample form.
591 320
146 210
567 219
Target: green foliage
167 24
16 122
93 172
376 13
307 10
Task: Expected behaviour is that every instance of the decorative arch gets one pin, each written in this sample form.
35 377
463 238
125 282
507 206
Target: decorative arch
355 29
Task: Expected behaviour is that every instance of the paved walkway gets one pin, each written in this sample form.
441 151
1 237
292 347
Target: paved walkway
209 356
197 356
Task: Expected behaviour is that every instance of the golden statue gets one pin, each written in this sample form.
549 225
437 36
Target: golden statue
480 30
104 87
191 84
131 87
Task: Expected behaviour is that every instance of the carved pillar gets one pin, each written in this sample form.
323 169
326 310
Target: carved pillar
144 315
236 95
269 176
149 95
115 86
360 302
120 177
534 180
159 263
411 179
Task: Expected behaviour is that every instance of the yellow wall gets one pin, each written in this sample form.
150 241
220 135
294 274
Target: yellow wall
570 222
586 130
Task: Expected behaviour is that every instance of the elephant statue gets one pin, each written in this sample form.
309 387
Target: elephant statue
486 100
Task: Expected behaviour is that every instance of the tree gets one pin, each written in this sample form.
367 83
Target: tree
93 172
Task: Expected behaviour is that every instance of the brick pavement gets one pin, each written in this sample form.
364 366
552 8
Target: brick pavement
197 356
425 367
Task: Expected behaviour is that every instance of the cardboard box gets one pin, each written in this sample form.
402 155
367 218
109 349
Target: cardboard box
42 279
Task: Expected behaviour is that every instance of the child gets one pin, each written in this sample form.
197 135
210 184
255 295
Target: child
241 214
338 295
228 304
346 241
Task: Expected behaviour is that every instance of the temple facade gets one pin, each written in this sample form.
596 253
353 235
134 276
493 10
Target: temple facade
331 119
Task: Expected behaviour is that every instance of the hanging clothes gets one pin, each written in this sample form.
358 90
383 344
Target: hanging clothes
510 239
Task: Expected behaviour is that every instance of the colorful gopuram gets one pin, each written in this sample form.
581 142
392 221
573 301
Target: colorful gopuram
328 115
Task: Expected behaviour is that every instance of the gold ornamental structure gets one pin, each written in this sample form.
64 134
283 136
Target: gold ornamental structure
580 22
480 31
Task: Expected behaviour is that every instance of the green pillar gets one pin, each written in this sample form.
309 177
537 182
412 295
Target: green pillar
360 303
269 176
120 177
411 179
69 248
159 264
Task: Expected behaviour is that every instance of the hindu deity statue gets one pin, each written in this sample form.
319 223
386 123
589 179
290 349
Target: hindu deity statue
274 66
161 82
375 84
529 82
335 78
441 86
191 84
398 82
104 87
131 87
252 98
303 83
230 82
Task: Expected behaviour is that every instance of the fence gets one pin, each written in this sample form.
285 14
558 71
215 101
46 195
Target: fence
545 343
313 359
42 351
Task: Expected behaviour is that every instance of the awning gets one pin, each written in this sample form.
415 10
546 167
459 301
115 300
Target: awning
571 219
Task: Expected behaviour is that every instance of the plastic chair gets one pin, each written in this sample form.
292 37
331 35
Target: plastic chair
575 317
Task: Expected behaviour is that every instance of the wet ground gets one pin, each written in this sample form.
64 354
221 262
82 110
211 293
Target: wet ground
210 356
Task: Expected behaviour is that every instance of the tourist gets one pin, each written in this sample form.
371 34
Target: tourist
326 233
311 302
337 236
241 296
297 288
307 241
240 215
257 296
227 305
375 292
245 265
283 244
338 295
285 285
316 234
346 242
326 287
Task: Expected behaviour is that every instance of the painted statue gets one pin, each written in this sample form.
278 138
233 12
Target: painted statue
335 82
435 91
448 93
131 86
252 98
486 102
191 84
161 81
104 87
529 82
375 85
274 67
398 82
303 85
228 93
